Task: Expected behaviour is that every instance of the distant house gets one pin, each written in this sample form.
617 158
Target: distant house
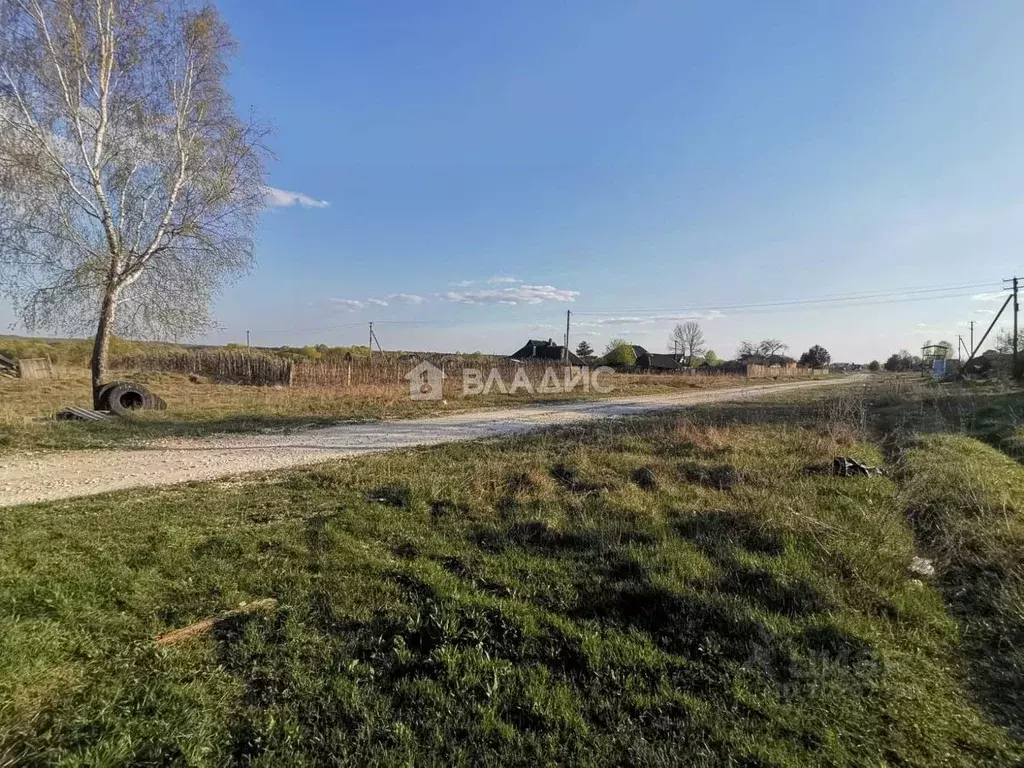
729 366
650 361
545 351
638 352
781 360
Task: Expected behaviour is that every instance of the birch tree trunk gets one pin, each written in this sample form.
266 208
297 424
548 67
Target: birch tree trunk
101 346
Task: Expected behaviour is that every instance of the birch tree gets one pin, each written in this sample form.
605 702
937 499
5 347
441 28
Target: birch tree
129 187
687 339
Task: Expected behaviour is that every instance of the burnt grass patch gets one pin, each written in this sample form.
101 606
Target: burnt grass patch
457 567
687 625
721 477
397 496
569 478
645 478
793 599
716 531
446 508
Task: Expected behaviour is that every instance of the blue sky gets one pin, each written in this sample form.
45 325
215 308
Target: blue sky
532 157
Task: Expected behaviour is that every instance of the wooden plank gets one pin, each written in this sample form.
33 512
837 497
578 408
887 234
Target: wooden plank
82 414
35 368
201 628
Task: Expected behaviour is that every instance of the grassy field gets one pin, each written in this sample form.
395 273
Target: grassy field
203 407
658 591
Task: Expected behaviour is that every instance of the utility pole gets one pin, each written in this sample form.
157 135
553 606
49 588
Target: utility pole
568 313
974 350
1016 307
972 334
247 339
370 345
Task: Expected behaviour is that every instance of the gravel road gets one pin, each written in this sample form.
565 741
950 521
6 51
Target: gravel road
27 478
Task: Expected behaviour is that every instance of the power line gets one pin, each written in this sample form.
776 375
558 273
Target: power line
679 314
308 330
897 294
830 301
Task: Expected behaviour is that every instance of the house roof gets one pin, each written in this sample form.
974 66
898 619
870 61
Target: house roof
545 350
658 361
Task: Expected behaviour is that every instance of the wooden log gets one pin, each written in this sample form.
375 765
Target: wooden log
201 628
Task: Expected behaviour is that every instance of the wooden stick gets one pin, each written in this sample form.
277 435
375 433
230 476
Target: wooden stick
203 627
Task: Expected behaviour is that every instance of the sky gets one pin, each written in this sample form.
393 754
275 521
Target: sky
462 173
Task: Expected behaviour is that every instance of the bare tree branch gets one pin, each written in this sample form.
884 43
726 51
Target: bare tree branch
126 176
687 339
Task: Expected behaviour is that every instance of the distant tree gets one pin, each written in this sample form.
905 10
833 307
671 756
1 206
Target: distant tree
770 347
711 358
816 357
746 349
902 361
760 351
687 339
874 366
584 350
619 352
1004 342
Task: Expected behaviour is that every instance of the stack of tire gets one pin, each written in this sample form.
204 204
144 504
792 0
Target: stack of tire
125 397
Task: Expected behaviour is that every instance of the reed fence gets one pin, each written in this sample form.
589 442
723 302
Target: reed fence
235 366
261 369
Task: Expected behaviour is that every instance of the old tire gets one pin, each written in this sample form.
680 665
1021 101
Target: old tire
103 392
126 398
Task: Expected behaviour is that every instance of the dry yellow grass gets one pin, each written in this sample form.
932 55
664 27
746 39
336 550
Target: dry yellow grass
196 407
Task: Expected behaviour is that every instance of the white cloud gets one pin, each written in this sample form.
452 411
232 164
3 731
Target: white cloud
984 311
994 296
350 304
282 198
353 305
496 280
519 294
649 319
406 298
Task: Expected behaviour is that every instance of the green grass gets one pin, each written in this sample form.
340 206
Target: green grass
963 498
670 590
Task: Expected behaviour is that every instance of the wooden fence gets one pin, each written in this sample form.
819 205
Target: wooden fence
782 372
262 369
235 366
393 369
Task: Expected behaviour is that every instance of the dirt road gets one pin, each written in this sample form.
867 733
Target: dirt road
47 477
